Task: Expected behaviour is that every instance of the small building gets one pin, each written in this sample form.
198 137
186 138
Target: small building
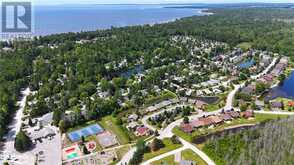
133 126
187 128
247 114
200 104
142 131
275 106
216 120
197 123
259 104
233 114
250 89
207 121
226 117
291 103
133 117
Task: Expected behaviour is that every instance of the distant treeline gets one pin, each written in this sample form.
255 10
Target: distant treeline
34 63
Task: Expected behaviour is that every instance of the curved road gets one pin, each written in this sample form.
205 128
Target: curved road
167 132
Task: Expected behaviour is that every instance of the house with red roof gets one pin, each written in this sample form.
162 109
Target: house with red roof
291 103
247 114
142 131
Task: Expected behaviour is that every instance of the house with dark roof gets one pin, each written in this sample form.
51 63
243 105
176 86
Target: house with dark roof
233 114
226 117
276 106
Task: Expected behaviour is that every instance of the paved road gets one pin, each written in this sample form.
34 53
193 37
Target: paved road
167 132
14 128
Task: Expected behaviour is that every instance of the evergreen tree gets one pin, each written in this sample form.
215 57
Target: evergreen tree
22 142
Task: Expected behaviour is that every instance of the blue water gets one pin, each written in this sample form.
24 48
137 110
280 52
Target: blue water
246 64
286 90
137 69
59 19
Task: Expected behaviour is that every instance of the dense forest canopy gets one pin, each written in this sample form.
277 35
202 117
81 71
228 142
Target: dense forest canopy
66 73
268 144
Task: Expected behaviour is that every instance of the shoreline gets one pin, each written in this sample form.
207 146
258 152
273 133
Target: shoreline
197 12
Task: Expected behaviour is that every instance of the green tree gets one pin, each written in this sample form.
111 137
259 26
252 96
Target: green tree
22 142
156 144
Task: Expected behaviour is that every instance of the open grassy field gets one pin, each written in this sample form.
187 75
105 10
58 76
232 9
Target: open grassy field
190 155
109 123
219 104
245 46
169 146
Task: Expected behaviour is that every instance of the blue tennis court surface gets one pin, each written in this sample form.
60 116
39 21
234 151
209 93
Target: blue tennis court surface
87 131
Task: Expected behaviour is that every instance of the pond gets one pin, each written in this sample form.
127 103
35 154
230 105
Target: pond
136 70
285 90
246 64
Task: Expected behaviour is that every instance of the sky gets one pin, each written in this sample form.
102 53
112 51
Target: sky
53 2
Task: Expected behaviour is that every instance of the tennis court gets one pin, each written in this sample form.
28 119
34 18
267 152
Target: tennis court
87 131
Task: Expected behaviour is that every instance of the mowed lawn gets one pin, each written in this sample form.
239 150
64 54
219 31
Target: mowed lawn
109 123
190 155
169 146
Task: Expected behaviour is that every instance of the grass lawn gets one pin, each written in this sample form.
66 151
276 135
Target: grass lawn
219 104
203 131
169 146
156 99
122 151
166 161
109 124
245 45
190 155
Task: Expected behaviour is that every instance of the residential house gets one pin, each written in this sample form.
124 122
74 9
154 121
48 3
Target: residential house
291 103
197 123
187 128
142 131
133 117
216 120
247 114
259 104
133 126
249 90
234 114
276 106
226 117
200 104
